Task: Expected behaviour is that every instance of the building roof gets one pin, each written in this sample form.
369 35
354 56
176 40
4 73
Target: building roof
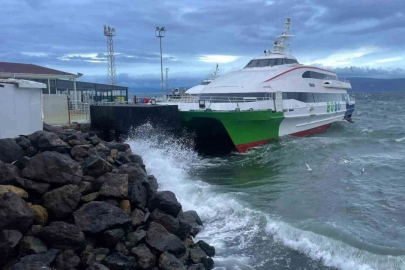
32 70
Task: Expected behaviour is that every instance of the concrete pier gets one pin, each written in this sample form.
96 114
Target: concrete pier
121 118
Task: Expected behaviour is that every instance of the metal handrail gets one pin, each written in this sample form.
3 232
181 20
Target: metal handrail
219 99
336 79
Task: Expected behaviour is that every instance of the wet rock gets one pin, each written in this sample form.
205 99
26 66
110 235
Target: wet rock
115 185
111 238
97 266
165 201
53 167
135 238
15 213
40 188
34 137
101 148
10 150
16 190
112 202
80 151
145 258
23 142
93 256
32 245
48 141
114 153
50 128
170 223
89 197
208 263
88 178
197 254
135 172
209 250
137 194
9 239
31 151
41 215
22 162
94 140
96 166
63 236
125 205
95 217
198 266
37 261
137 217
168 261
122 147
161 240
8 173
67 260
62 201
86 187
118 261
190 223
121 248
151 185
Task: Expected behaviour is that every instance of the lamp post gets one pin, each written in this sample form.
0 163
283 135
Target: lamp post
160 32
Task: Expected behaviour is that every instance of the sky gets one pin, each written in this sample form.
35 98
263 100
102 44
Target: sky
354 38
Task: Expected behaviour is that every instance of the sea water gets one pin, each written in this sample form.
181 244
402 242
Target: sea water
266 210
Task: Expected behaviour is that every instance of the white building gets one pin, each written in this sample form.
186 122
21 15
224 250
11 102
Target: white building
20 107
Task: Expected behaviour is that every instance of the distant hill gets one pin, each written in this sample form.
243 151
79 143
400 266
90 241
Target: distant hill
371 84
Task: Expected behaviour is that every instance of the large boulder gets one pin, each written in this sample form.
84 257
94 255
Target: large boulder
62 201
9 188
67 260
135 238
118 261
165 201
40 188
115 185
170 223
137 194
137 217
80 151
9 239
135 172
96 166
92 256
161 240
32 245
168 261
190 223
209 250
145 258
46 141
151 185
197 254
8 173
15 213
62 235
95 217
37 261
10 151
53 167
122 147
23 142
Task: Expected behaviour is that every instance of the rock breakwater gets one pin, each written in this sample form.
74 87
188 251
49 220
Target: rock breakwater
68 200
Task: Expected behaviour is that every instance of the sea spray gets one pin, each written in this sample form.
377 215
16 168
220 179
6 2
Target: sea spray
245 238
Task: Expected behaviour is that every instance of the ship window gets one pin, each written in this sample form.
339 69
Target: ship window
313 97
263 63
317 75
272 62
252 63
291 61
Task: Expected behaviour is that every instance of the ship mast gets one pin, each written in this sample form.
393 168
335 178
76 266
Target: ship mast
280 43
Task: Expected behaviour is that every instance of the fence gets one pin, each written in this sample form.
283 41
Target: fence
79 112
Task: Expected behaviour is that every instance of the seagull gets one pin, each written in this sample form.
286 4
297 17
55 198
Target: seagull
309 168
362 170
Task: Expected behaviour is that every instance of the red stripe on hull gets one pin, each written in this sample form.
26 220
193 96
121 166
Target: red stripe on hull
312 131
242 148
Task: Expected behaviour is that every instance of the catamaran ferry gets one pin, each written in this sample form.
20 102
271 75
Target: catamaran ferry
272 96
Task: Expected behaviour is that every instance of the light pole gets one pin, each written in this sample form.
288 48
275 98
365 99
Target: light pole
160 32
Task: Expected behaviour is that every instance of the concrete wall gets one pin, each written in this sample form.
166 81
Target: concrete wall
20 111
56 110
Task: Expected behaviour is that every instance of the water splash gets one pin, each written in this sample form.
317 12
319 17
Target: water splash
244 238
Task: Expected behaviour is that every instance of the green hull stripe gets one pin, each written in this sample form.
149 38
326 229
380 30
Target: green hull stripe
243 127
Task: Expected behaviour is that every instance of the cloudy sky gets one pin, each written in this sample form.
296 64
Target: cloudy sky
368 35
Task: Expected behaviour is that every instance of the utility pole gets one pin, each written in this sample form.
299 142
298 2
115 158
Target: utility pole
160 32
109 33
166 80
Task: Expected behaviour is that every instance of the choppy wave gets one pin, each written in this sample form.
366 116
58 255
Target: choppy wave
245 238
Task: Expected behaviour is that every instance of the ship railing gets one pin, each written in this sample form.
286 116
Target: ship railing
336 79
219 99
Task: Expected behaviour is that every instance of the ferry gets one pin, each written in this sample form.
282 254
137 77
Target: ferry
195 90
272 96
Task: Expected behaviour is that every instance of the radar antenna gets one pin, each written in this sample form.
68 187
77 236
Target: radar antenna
280 42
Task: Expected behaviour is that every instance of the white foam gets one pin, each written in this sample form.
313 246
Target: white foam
400 139
230 225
